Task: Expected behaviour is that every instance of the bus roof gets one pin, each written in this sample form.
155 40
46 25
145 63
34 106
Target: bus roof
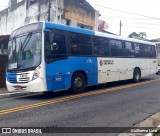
84 31
122 38
91 32
68 28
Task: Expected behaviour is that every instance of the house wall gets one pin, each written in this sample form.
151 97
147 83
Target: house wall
81 13
23 13
12 18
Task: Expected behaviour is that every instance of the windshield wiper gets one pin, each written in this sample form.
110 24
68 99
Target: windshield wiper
26 40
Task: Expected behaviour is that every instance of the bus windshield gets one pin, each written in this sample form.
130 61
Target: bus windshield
24 51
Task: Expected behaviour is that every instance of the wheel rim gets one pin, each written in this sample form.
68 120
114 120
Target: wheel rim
78 82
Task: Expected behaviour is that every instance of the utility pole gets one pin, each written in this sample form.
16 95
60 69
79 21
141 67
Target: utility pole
120 28
49 10
56 7
39 11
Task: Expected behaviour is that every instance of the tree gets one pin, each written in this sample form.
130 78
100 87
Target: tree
140 35
143 35
134 35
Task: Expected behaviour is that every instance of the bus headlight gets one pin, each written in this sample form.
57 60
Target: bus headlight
36 73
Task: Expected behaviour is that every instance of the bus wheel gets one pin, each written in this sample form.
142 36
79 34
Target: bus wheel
78 84
136 75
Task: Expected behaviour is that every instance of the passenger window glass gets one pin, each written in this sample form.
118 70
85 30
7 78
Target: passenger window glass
80 44
153 50
57 49
147 50
129 49
101 46
80 39
139 50
116 48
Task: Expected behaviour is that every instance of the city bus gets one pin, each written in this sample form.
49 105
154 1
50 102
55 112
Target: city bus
158 56
45 56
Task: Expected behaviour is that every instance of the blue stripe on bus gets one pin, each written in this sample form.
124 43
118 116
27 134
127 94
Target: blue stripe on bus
11 77
59 73
68 28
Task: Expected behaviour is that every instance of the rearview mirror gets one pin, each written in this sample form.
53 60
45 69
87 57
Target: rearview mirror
47 31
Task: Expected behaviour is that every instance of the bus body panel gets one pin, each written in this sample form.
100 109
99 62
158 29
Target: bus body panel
59 73
116 69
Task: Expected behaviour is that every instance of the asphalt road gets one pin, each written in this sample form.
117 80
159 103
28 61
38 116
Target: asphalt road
118 104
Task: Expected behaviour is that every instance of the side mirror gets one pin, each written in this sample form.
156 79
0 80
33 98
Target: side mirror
47 31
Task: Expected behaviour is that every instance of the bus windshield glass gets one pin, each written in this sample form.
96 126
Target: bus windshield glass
24 51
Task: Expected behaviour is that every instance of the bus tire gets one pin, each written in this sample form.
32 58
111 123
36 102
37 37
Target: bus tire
136 75
78 83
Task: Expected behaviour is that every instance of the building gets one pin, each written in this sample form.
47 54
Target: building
78 13
3 58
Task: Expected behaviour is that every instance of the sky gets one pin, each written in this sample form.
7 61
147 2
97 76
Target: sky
147 19
3 4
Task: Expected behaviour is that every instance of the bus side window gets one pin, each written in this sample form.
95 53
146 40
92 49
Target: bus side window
116 48
0 51
59 45
139 50
129 49
147 50
57 49
80 44
101 46
153 50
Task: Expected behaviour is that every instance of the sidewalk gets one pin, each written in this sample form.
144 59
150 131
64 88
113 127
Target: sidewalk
4 93
3 90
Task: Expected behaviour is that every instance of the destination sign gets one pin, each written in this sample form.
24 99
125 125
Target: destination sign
27 29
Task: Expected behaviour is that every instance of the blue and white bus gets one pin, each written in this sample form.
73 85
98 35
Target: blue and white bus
158 56
45 56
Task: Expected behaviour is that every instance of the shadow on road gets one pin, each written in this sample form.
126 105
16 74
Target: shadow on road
64 93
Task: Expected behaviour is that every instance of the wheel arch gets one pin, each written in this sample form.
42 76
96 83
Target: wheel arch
84 73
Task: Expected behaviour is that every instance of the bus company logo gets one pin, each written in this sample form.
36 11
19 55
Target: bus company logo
106 62
101 62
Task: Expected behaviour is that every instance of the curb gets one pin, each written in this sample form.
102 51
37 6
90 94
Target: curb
152 121
6 95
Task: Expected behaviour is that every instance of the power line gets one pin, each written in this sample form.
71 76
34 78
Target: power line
140 23
125 11
142 27
128 18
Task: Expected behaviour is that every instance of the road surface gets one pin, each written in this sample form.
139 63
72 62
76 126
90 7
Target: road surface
118 104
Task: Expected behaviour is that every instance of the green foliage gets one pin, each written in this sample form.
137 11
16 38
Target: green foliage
140 35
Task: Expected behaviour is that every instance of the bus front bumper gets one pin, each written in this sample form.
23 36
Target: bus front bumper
32 86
